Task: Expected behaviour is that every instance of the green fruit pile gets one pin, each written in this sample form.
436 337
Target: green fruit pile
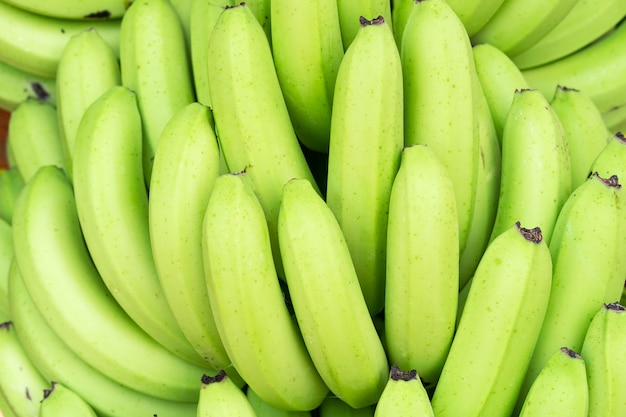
313 208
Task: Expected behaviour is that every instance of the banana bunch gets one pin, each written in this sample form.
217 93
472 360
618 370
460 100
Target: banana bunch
313 208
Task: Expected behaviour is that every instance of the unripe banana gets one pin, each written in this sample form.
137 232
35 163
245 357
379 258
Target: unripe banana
400 10
584 129
5 409
535 179
59 400
422 280
475 13
499 78
610 161
11 184
155 65
366 141
404 395
21 383
439 97
113 209
351 11
33 137
17 85
498 329
337 328
75 9
186 165
587 247
603 349
221 397
615 119
260 337
307 64
6 257
251 118
263 409
560 388
336 407
88 67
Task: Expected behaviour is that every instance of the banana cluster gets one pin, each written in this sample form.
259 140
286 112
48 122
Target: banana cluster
313 208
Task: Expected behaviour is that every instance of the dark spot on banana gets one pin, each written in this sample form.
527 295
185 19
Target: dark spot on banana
39 90
102 14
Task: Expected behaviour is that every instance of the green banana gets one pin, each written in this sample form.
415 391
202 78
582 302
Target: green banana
307 64
59 400
57 268
56 361
587 247
17 85
403 395
155 65
186 165
603 349
598 70
88 67
439 97
499 78
366 141
335 407
221 397
259 335
5 408
560 388
351 11
21 384
615 118
11 184
33 137
584 129
184 13
34 43
610 161
6 257
498 329
74 9
113 209
400 10
337 328
263 409
587 21
252 121
476 13
422 279
519 24
535 178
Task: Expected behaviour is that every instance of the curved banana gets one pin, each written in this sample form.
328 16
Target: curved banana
186 164
203 16
21 383
5 408
560 388
615 118
34 43
155 65
439 97
598 70
261 9
404 395
586 252
519 24
487 190
74 9
337 328
422 279
252 121
499 78
56 267
584 129
535 178
610 161
307 64
59 400
112 205
184 13
11 184
260 336
366 141
6 257
587 21
263 409
603 349
336 407
498 329
476 13
57 362
400 10
88 67
17 85
33 137
221 397
351 11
